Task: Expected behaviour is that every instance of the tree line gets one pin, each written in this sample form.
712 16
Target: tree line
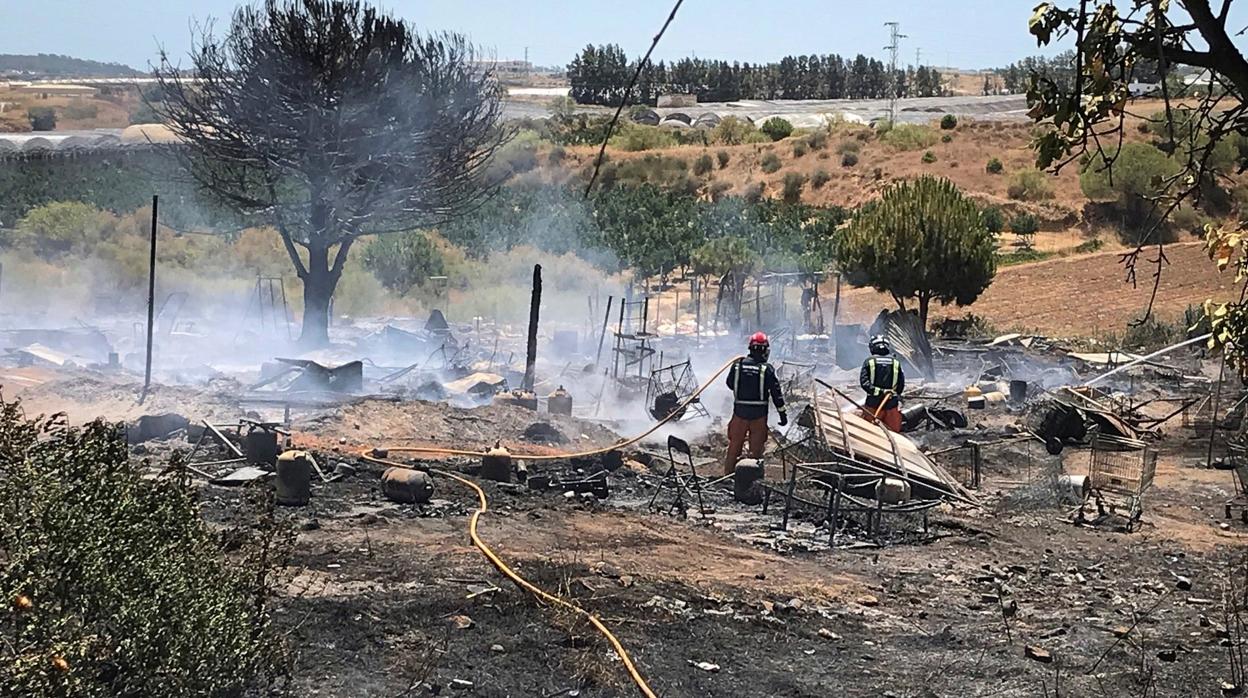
599 75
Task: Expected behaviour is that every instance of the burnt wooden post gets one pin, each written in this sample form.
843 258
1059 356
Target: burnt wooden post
151 302
601 337
531 356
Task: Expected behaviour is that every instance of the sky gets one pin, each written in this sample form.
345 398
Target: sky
962 33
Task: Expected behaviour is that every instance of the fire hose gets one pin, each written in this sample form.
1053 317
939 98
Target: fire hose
374 456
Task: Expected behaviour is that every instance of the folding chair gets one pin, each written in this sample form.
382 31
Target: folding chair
682 484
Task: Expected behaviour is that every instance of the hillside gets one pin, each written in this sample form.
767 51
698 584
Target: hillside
50 65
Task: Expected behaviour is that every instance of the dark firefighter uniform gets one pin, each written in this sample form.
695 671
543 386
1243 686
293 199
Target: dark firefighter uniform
883 380
752 381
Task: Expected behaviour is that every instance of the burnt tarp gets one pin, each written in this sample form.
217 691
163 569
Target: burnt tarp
346 378
908 340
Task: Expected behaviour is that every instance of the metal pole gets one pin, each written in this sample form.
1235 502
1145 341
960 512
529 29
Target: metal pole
1213 416
605 319
151 301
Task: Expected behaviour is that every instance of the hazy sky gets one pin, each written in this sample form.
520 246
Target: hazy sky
965 33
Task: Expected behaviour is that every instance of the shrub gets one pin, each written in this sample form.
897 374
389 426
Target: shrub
41 118
754 192
929 157
1138 172
799 149
636 137
777 128
703 165
948 122
770 163
817 140
877 173
722 158
820 178
1024 224
848 147
849 160
994 166
1089 246
994 219
719 189
732 130
909 137
1187 218
793 184
124 586
946 138
1030 185
557 155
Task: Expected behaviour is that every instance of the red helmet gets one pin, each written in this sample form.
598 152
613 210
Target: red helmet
759 340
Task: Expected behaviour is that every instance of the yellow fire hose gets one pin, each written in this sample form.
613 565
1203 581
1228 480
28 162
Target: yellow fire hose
483 506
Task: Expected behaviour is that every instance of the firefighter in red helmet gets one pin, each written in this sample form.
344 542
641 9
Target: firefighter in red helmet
752 381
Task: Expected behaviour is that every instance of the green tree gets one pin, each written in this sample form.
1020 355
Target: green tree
921 239
651 231
994 219
114 585
404 261
61 228
1135 178
330 120
41 118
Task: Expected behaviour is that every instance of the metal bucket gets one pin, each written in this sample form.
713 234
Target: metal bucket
294 478
1073 488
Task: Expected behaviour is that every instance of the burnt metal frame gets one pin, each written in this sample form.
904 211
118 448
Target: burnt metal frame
677 379
1124 482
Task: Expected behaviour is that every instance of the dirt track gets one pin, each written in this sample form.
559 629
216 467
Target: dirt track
1083 295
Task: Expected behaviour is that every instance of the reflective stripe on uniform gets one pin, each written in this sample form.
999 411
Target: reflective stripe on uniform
736 382
876 390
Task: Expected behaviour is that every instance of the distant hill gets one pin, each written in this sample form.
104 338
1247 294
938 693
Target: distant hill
48 65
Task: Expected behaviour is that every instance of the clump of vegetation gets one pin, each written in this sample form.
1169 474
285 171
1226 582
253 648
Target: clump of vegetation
719 189
994 166
770 163
819 178
41 118
948 122
909 137
1188 219
1030 185
849 159
557 155
637 137
877 173
799 149
793 184
946 138
1138 174
994 219
703 165
732 130
78 110
817 140
1088 246
777 128
929 157
115 584
1024 224
753 192
722 158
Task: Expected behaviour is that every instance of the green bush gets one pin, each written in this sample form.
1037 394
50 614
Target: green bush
820 178
1089 246
909 137
770 163
79 110
1024 224
929 157
1138 173
703 165
817 140
557 155
849 160
722 158
793 184
994 219
1188 219
946 138
754 192
41 118
114 584
994 166
732 130
1030 185
776 128
948 122
799 149
637 137
877 173
403 261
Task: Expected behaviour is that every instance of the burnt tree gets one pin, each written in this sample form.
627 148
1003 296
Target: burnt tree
329 120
